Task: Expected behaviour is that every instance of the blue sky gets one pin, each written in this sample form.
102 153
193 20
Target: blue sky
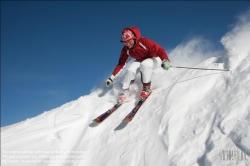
55 52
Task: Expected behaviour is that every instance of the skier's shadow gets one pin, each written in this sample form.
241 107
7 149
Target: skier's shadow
104 90
122 125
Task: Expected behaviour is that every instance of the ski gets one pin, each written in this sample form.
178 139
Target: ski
131 115
106 114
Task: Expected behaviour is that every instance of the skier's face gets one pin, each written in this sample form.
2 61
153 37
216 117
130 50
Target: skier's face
130 43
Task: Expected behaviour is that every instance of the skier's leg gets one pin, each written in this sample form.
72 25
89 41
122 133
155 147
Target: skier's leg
130 75
146 68
129 78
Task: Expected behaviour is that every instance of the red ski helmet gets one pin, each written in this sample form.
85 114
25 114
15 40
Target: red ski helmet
127 35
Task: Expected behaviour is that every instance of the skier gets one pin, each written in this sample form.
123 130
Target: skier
148 56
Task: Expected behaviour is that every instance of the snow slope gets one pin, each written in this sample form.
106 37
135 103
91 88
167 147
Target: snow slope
193 117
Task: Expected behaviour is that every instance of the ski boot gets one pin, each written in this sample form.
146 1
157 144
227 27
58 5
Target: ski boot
146 91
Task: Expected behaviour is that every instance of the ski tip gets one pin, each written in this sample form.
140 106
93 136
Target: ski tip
126 120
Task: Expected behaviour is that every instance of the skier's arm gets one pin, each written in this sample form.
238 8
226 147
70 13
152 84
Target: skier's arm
122 61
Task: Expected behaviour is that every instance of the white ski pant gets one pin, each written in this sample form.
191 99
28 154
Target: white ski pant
145 67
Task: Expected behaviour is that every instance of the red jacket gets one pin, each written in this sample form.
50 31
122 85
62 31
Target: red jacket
143 49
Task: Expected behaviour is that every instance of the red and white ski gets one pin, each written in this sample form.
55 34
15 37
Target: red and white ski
131 115
106 114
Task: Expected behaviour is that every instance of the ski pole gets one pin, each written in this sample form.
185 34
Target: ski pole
199 68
